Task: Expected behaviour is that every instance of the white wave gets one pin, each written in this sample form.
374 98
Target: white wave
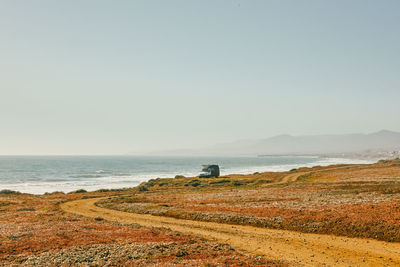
121 180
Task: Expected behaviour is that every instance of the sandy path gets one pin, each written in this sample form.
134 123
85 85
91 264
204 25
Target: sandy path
294 247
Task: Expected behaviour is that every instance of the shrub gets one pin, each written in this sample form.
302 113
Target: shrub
3 204
103 190
179 176
143 188
150 183
79 191
54 193
8 192
26 209
237 183
304 177
263 181
195 184
220 181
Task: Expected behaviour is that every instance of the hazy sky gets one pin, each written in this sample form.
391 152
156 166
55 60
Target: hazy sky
110 77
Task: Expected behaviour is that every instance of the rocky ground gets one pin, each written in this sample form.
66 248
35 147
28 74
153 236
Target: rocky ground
191 253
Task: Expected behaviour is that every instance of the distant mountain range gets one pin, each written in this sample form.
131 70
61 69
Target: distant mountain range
303 145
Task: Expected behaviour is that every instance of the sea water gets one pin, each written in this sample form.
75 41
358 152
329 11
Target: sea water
40 174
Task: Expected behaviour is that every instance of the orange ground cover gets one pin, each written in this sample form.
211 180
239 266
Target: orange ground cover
349 200
34 231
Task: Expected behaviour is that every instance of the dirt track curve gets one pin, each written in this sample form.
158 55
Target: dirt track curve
294 247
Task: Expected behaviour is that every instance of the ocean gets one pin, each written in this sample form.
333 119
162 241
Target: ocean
40 174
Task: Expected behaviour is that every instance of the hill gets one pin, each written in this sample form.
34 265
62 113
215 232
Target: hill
377 144
313 144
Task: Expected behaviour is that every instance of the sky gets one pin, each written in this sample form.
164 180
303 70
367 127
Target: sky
114 77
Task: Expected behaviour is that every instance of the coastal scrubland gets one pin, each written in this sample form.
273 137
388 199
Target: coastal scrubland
35 232
343 200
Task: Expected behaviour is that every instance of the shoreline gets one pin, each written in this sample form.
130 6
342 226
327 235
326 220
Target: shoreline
145 178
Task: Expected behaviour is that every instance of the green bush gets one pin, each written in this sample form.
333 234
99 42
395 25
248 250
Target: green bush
143 188
8 192
221 181
108 190
79 191
263 181
3 204
194 183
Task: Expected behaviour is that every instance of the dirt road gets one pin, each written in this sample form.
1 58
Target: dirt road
293 247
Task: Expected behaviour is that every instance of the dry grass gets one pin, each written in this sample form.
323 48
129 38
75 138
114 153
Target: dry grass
347 200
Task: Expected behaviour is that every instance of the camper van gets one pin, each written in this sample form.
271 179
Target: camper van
209 171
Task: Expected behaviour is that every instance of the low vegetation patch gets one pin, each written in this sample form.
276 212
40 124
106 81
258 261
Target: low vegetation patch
8 192
143 188
79 191
222 181
194 183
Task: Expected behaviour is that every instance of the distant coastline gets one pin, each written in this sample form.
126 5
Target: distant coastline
367 155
